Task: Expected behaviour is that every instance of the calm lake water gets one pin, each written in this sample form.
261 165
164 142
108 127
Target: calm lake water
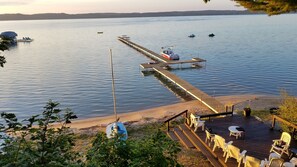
68 61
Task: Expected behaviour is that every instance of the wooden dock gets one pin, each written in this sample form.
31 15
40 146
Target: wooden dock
161 62
207 100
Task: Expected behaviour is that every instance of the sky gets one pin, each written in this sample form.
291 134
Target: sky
114 6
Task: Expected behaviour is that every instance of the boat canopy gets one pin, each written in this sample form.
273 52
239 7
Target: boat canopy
8 34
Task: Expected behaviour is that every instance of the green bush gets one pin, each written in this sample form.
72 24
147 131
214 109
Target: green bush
287 110
35 143
156 150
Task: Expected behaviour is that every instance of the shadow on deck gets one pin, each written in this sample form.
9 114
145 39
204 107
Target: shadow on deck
258 136
257 141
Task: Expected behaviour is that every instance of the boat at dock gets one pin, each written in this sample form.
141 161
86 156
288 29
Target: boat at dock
25 39
168 53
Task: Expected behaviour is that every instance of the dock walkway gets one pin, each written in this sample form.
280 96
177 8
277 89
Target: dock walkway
207 100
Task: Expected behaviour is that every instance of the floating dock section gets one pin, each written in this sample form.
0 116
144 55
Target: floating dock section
160 67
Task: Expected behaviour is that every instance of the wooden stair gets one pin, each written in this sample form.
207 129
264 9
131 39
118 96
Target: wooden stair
189 139
183 138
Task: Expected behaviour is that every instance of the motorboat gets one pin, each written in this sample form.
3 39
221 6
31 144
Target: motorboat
191 36
211 35
25 39
167 53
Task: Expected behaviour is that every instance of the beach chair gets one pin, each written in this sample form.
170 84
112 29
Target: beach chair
220 142
196 122
250 161
234 152
281 145
209 137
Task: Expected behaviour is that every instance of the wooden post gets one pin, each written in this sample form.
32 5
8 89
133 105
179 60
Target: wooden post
168 126
273 122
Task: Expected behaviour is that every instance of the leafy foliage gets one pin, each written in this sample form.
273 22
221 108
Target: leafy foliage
3 46
155 150
271 7
36 143
288 109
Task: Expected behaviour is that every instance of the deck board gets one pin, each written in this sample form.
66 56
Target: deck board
258 136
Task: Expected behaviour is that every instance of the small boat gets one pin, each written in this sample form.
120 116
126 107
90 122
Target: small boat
99 32
191 36
115 129
211 35
25 39
125 37
167 53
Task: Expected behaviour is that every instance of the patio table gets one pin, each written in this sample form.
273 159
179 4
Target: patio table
236 131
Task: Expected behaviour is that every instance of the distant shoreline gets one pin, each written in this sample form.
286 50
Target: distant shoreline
51 16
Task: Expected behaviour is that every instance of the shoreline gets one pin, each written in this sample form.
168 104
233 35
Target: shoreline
256 102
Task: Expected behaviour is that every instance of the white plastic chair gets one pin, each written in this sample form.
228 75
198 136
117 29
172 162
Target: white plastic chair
209 137
196 122
281 145
219 142
234 152
250 161
276 162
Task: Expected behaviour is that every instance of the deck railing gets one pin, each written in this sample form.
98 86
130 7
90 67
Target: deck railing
277 118
168 120
216 115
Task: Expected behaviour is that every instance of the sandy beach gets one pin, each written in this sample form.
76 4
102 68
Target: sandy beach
256 102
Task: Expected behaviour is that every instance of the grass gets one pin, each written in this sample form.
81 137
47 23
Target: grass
264 115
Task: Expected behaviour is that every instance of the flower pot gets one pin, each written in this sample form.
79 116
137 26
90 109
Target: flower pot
247 112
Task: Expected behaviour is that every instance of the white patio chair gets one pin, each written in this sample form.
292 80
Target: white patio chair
276 162
281 145
250 161
209 137
219 142
234 152
196 122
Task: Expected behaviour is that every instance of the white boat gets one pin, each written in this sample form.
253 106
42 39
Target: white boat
167 53
115 128
25 39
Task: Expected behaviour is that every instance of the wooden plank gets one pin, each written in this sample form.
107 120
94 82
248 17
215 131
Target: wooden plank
182 138
172 135
209 101
258 136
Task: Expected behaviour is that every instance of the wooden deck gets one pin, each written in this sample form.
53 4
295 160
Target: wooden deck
258 136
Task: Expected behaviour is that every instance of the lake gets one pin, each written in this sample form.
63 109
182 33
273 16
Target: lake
69 62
